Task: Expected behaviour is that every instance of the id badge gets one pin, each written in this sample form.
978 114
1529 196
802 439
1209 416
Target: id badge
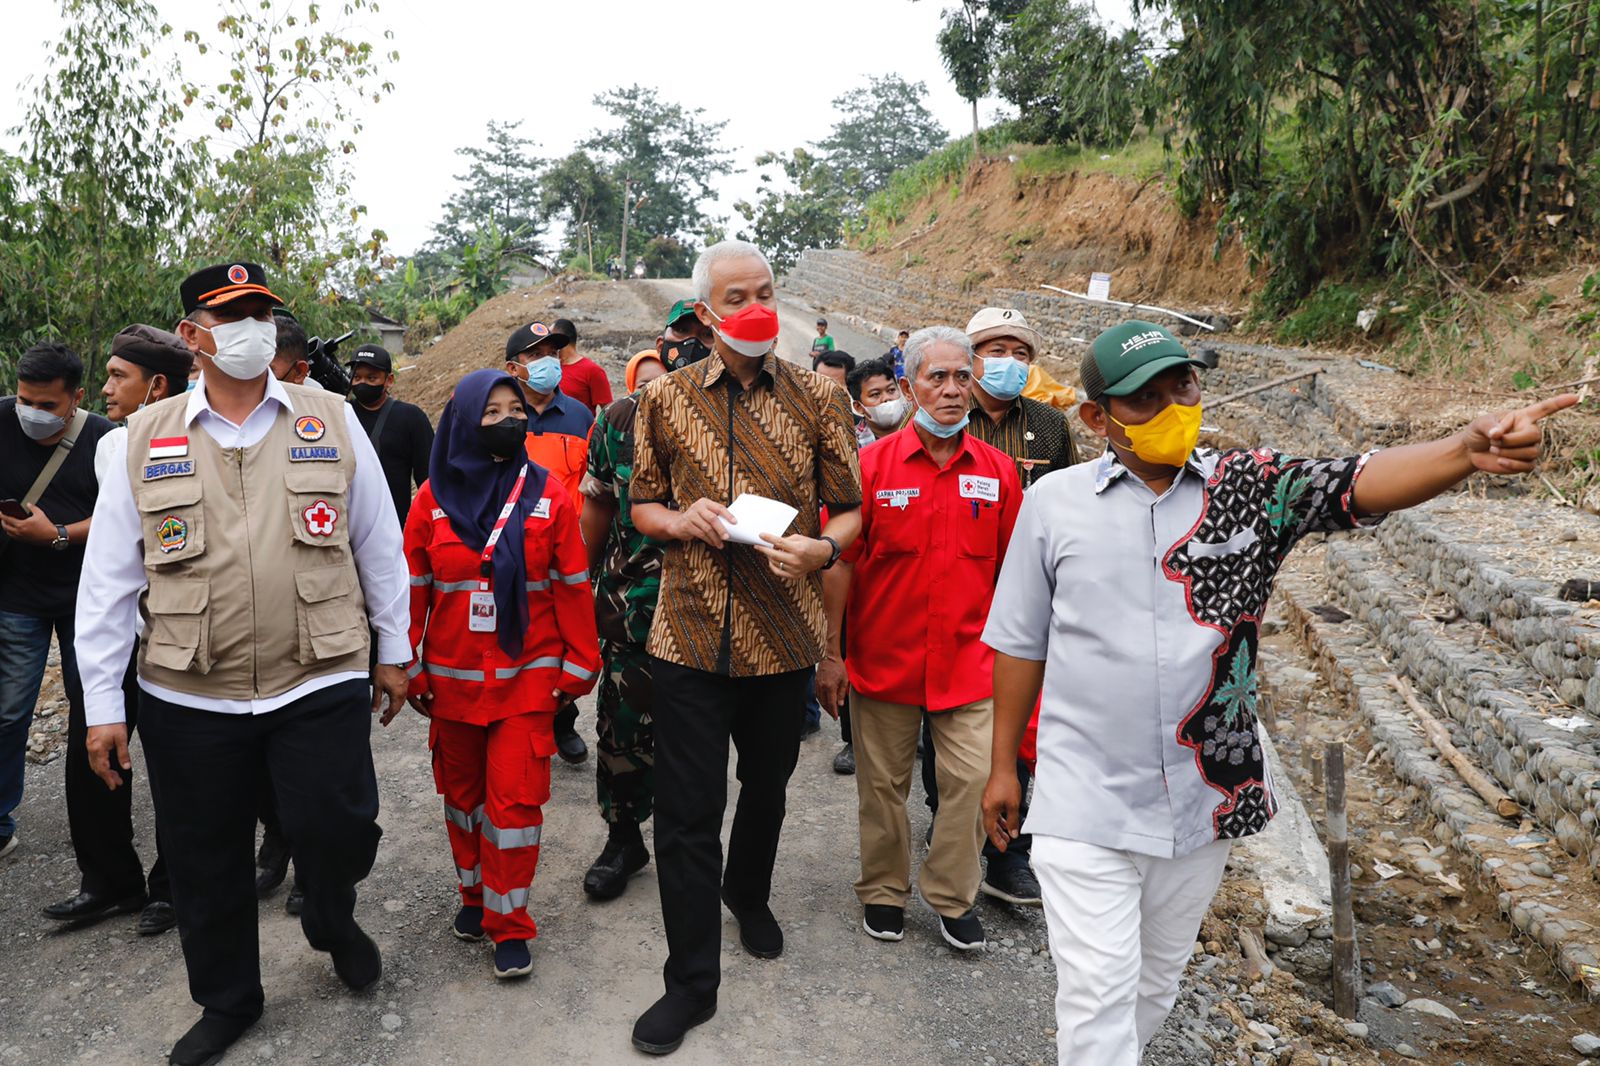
480 618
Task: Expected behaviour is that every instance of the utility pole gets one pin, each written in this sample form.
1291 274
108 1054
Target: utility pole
627 204
588 232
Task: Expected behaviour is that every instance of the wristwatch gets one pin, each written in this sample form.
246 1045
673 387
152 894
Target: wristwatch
61 541
833 557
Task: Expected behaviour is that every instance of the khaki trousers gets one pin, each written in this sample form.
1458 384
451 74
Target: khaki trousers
885 741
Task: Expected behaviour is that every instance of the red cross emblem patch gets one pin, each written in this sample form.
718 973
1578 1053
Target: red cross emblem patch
321 517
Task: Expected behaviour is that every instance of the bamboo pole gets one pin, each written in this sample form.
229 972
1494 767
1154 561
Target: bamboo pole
1439 737
1212 405
1132 307
1346 956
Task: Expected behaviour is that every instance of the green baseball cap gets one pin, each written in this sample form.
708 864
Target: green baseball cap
679 309
1127 355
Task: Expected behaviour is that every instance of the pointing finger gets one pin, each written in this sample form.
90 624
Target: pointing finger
1545 408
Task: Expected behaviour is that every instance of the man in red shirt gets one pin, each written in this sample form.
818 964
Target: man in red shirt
581 377
937 510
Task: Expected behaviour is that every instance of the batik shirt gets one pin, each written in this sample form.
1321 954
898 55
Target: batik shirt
1146 611
630 580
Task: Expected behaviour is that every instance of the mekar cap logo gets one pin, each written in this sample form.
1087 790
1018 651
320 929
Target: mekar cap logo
1142 340
238 274
538 329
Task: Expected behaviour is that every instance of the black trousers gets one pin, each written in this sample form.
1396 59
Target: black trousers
99 819
205 769
1020 847
696 715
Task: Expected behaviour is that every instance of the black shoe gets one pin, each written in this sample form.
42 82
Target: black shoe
468 924
811 728
759 931
8 844
358 963
661 1029
927 838
512 959
845 761
272 866
883 922
208 1040
623 856
964 933
1012 880
295 901
157 917
571 748
88 907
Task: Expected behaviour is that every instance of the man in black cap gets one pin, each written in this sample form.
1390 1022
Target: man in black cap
248 524
400 432
146 366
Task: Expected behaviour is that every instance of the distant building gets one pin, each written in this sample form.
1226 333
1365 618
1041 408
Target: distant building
391 334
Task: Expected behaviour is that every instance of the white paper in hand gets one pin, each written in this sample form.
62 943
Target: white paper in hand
755 515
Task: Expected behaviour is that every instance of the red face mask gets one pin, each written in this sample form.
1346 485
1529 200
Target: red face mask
751 331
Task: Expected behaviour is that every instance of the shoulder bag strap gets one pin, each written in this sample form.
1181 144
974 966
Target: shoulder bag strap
80 418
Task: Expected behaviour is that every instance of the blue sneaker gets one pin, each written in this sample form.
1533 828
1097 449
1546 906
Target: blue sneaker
511 959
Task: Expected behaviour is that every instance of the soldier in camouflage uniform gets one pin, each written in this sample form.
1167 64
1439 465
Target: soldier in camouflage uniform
627 572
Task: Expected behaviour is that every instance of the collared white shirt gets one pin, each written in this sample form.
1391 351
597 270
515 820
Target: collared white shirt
1145 610
114 574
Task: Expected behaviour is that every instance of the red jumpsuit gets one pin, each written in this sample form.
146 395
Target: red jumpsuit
491 735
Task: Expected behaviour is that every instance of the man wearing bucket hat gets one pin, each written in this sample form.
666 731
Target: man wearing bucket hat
1150 762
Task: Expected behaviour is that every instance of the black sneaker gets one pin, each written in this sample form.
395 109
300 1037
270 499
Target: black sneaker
810 729
623 856
964 933
512 959
571 748
883 922
661 1029
468 924
845 761
295 901
8 844
1012 880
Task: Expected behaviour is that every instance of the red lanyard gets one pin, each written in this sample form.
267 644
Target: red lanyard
484 569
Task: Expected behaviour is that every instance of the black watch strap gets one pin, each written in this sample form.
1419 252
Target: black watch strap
837 551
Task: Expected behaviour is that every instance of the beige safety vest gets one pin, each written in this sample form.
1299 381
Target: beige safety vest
252 587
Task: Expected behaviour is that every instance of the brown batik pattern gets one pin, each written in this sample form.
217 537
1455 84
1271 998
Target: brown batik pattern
789 437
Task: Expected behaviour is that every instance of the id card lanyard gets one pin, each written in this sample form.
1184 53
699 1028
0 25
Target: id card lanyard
481 618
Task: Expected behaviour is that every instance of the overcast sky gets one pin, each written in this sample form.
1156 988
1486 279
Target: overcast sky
771 76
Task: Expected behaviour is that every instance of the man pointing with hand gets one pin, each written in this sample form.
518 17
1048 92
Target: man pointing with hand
1141 579
738 628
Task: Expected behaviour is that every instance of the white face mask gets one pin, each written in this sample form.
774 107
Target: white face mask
244 348
887 414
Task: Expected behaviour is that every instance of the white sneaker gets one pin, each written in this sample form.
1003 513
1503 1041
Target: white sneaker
8 845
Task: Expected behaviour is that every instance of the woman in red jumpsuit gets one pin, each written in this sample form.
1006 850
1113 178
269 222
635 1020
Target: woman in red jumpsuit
503 622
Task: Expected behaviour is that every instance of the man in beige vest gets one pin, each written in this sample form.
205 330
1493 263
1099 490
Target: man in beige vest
248 524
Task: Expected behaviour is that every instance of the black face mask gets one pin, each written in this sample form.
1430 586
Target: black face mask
366 393
685 352
504 439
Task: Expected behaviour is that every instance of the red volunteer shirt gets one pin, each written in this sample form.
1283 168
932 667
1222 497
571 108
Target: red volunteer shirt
586 382
932 541
471 678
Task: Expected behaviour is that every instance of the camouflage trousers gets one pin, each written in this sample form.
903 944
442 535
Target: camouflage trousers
625 770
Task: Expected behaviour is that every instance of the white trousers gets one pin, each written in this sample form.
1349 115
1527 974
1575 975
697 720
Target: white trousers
1122 927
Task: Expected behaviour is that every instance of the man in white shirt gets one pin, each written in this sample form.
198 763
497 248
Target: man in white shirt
248 524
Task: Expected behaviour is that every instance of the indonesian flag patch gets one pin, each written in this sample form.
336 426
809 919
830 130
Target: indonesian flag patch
169 447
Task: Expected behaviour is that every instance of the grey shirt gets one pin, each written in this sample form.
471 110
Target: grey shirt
1145 611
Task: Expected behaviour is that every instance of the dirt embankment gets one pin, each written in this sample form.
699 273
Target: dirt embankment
1005 228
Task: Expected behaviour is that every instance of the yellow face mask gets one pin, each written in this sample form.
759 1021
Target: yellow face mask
1169 438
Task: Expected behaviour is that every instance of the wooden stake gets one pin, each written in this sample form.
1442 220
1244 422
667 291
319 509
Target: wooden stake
1346 957
1439 737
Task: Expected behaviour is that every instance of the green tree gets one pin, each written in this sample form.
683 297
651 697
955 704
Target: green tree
500 190
286 115
90 210
967 44
1070 78
578 191
666 154
809 213
882 127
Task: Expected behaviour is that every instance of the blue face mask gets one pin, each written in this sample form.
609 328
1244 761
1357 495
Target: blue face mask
1003 377
190 387
544 375
938 429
